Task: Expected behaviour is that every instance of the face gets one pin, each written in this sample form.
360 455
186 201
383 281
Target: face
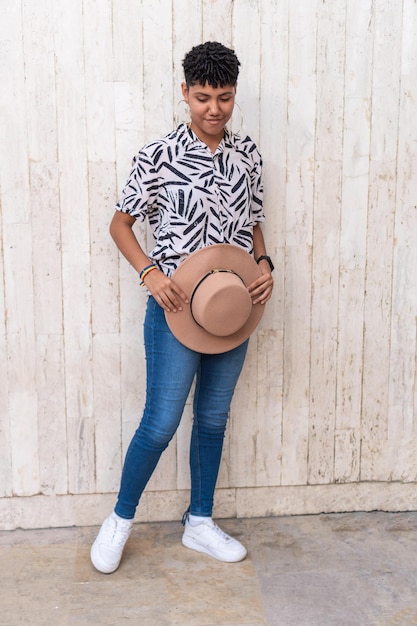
211 108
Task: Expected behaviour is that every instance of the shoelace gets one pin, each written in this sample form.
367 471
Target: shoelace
211 525
219 531
118 533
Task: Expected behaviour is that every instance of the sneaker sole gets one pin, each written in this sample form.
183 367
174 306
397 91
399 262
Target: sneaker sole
188 542
95 560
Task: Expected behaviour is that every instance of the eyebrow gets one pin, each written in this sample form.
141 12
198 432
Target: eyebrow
223 93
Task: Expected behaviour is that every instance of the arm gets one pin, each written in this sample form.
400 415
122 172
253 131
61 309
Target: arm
164 290
261 289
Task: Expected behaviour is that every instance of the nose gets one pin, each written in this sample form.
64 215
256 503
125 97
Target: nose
214 108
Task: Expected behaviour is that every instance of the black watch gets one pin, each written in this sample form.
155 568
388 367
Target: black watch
267 258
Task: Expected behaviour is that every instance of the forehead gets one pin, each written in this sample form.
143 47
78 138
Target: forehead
212 91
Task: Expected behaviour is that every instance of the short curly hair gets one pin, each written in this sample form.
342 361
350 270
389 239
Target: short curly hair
211 63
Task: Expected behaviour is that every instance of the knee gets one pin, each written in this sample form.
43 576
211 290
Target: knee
154 439
213 425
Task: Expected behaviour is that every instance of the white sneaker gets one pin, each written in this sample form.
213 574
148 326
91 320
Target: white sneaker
106 551
207 537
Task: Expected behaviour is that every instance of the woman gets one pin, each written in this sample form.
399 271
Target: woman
200 185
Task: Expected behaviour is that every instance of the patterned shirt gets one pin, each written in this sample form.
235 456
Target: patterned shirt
192 197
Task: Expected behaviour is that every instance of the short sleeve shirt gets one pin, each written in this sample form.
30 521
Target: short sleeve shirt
192 197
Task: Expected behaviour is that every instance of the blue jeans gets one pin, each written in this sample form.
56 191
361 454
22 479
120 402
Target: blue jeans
170 371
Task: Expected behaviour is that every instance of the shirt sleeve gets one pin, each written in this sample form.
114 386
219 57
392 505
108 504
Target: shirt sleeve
257 189
138 196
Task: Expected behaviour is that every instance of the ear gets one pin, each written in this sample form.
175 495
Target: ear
184 90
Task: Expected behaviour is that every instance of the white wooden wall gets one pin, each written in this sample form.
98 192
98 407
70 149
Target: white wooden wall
324 418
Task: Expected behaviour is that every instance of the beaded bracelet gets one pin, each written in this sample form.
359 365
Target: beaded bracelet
146 270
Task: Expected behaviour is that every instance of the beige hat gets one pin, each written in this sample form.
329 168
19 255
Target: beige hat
220 314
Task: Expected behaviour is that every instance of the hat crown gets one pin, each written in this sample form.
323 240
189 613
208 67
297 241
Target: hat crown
221 303
219 314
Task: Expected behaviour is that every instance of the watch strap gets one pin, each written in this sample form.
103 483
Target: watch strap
268 259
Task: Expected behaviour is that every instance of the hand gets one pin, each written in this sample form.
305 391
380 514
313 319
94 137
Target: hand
261 289
165 291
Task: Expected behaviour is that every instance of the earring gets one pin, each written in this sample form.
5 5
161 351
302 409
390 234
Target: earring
182 114
239 121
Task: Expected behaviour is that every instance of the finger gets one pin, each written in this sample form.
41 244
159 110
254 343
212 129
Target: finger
162 301
174 300
263 296
260 283
178 293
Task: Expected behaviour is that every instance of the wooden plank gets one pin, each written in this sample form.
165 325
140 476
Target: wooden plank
46 233
359 29
402 396
273 114
105 328
128 83
347 459
268 433
157 68
386 67
324 337
326 225
104 262
40 80
274 44
129 137
23 438
49 321
299 209
402 414
5 444
21 359
185 34
14 170
246 27
107 431
51 414
46 229
99 91
6 477
349 358
218 21
69 55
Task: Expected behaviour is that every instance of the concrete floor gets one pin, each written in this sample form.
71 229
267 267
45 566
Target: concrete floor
349 569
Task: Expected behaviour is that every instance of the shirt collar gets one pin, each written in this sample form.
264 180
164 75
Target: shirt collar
188 138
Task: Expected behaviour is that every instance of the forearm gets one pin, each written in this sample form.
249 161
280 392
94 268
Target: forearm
125 239
258 242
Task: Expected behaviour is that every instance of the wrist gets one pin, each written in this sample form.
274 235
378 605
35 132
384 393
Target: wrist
146 270
266 260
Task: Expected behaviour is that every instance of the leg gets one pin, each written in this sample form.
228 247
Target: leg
170 371
216 381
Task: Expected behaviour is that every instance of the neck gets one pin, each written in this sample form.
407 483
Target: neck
211 141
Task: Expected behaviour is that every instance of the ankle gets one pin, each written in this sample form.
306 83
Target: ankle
195 520
121 519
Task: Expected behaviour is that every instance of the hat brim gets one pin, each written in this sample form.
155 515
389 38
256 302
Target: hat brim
188 274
